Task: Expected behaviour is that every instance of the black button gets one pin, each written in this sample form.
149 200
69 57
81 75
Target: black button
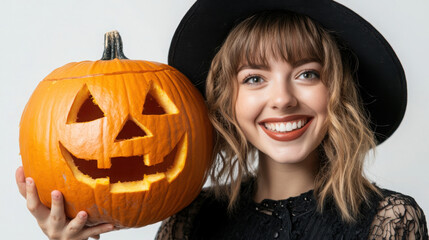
276 235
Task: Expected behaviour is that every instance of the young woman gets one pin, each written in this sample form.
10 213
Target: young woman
296 91
283 89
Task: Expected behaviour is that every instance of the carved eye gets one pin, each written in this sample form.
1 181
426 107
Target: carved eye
84 108
152 107
158 103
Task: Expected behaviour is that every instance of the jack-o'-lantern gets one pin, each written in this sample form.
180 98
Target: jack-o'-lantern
127 141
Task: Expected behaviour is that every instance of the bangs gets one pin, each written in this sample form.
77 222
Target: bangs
280 35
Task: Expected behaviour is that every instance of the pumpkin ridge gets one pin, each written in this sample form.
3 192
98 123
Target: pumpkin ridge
194 98
108 74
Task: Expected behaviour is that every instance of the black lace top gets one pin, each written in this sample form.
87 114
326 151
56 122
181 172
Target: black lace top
394 216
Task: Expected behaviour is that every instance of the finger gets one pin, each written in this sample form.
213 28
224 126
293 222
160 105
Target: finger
76 225
57 217
97 230
96 236
20 180
39 211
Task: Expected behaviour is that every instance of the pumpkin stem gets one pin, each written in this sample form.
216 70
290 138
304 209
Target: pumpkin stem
112 46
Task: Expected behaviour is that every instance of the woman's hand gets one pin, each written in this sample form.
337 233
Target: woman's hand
54 222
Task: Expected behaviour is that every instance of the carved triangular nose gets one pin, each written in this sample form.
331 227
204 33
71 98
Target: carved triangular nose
130 130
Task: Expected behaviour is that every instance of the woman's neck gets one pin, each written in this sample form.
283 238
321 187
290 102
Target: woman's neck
283 180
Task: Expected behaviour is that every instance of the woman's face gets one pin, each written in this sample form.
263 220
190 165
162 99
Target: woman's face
282 108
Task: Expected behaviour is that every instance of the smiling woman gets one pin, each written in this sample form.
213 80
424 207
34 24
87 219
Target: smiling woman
282 86
282 94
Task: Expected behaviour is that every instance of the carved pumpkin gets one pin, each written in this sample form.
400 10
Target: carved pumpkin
127 141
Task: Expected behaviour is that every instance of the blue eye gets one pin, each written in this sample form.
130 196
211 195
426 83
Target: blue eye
309 75
253 80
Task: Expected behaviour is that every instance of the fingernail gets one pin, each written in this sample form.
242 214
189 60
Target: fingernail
28 181
81 215
55 195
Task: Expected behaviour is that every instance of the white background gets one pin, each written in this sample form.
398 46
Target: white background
40 36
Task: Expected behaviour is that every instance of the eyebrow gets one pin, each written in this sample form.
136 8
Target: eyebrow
303 61
295 64
253 66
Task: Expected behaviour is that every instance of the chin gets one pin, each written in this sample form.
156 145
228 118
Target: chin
287 160
291 156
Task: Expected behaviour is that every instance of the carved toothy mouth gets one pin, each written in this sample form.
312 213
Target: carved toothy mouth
127 169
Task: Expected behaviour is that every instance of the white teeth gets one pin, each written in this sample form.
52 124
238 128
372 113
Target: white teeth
282 127
285 126
288 127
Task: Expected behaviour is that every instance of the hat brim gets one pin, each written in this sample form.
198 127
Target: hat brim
380 75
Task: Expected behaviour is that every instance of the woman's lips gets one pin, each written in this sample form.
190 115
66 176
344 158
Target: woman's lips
286 129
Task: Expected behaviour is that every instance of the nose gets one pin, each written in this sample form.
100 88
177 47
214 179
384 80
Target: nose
282 97
130 130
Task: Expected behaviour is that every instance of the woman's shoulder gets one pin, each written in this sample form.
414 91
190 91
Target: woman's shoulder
398 217
180 225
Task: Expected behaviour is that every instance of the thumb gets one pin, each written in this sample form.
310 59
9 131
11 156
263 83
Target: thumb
20 180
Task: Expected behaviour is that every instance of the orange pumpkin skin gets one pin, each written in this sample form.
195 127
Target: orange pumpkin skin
51 137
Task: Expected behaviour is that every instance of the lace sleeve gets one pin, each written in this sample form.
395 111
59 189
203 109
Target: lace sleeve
398 217
179 226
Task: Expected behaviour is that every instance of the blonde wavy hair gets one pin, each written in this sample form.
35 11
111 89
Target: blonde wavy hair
291 37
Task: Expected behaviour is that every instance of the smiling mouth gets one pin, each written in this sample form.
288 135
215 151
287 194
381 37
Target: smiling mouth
285 126
126 169
287 129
